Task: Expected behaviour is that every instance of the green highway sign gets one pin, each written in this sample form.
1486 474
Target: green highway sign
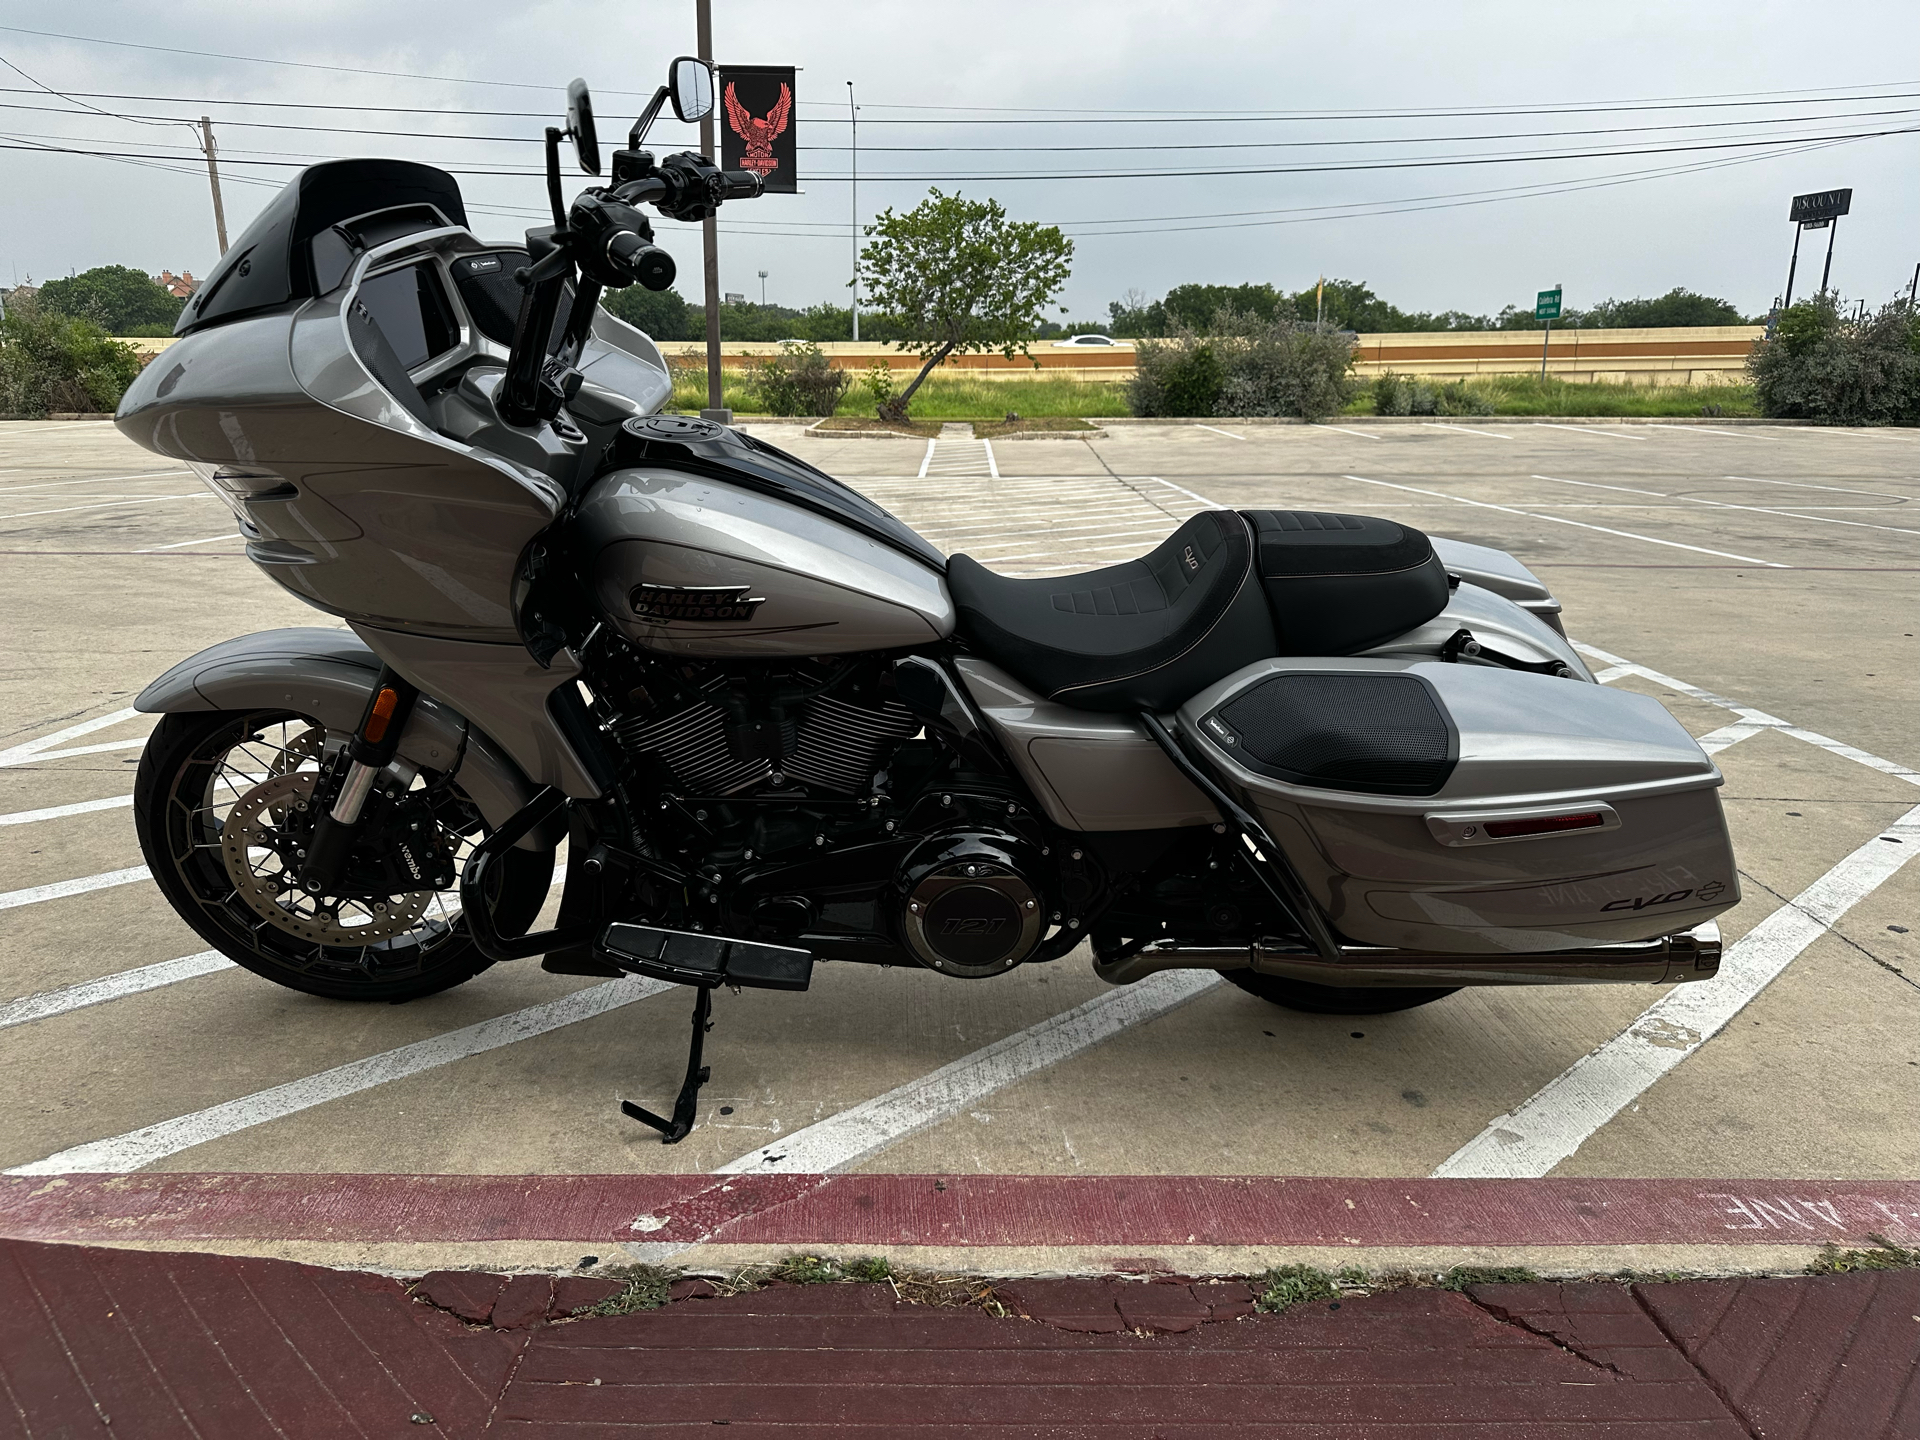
1546 305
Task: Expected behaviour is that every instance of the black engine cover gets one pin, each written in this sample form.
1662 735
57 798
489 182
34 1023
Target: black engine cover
969 909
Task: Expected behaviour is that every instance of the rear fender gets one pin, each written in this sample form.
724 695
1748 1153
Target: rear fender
327 675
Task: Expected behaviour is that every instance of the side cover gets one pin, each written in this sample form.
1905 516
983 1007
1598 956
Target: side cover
327 675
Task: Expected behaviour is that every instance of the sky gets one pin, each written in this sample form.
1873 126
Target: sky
1397 107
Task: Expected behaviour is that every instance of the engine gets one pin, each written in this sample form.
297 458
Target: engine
804 803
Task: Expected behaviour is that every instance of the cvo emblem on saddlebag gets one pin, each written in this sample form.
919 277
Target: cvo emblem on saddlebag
670 603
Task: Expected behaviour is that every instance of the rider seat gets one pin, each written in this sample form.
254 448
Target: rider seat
1143 635
1224 590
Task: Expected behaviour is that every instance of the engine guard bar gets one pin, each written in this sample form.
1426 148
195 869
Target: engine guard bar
474 905
1690 955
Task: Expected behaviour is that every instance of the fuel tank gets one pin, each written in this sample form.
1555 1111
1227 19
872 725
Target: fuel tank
703 542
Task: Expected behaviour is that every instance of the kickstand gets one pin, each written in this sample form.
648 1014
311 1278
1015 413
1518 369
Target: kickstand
673 1131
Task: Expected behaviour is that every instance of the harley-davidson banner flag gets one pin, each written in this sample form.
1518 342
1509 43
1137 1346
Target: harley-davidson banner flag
756 110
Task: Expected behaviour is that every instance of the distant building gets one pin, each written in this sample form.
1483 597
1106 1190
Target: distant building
734 297
180 286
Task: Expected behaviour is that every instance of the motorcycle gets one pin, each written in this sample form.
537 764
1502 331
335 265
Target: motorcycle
1349 766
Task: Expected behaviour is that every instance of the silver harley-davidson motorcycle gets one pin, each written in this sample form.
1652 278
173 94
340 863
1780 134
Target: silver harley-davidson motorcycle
1351 767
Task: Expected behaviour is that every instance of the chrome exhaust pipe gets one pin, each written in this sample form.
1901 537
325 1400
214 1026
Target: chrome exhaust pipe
1689 955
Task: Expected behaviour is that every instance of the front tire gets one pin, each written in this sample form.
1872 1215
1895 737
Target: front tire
1336 999
202 770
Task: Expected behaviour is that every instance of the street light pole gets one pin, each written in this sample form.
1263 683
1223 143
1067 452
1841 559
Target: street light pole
763 289
853 113
710 232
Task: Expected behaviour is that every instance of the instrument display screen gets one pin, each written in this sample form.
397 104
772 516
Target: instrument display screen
411 310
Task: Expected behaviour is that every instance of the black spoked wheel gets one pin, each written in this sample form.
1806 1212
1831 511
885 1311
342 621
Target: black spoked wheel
223 804
1337 999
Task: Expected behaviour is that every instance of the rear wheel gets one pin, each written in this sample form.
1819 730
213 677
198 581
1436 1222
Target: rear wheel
1337 999
223 804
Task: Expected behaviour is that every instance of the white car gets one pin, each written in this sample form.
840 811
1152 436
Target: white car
1083 340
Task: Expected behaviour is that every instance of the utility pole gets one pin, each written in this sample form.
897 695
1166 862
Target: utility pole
213 178
710 235
853 113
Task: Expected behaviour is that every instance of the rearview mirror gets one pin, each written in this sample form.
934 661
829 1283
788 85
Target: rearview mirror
691 83
586 141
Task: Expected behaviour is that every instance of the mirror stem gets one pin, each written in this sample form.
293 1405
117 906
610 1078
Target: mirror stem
647 117
553 179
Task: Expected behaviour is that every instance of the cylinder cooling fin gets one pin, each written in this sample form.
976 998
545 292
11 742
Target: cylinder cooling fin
969 910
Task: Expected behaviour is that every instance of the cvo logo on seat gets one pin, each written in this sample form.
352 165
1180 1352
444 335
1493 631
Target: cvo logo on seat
1193 560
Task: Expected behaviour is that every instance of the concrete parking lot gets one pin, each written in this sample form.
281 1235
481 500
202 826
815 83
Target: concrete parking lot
1757 580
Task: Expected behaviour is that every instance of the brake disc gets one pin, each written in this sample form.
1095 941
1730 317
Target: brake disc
267 884
309 744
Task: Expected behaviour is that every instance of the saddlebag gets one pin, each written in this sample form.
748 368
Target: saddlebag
1462 807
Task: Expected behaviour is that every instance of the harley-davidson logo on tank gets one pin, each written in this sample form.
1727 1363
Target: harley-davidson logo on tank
757 104
670 603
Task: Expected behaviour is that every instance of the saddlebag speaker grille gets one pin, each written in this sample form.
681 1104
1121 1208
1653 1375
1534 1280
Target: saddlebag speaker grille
1372 734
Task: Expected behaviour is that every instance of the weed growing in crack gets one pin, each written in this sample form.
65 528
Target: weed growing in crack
1285 1286
1885 1255
643 1287
806 1270
1461 1276
870 1269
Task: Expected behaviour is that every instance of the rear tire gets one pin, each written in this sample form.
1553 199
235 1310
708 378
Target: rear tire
198 768
1336 999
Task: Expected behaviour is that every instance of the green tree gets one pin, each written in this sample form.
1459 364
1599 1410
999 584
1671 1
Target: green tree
1678 307
1822 364
661 313
960 278
117 298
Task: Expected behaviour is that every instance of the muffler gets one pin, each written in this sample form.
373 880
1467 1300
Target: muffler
1689 955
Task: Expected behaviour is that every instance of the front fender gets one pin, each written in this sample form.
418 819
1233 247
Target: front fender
327 676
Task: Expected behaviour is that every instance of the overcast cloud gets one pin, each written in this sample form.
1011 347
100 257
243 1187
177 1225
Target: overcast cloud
1720 230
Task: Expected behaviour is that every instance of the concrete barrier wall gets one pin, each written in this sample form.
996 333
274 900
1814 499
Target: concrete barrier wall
1709 355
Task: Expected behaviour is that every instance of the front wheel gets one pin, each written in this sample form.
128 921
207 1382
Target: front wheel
1337 999
223 803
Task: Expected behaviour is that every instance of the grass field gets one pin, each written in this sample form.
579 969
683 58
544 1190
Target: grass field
958 397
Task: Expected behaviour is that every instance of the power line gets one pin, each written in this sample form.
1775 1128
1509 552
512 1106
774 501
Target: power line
1053 149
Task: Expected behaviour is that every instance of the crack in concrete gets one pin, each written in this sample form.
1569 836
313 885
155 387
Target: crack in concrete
1518 1322
1886 965
1719 1390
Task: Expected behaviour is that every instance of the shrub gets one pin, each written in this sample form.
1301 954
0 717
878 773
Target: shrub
1402 395
54 363
1821 365
1245 365
118 298
800 381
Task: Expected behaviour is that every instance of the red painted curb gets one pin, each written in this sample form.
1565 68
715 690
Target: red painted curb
962 1210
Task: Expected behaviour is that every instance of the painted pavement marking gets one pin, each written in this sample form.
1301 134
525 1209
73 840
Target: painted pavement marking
62 889
872 1125
29 750
1216 430
1562 520
60 812
119 1154
1464 430
1729 505
107 505
111 987
1561 1117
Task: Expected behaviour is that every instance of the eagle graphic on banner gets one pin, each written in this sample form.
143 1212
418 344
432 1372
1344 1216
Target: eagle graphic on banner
759 134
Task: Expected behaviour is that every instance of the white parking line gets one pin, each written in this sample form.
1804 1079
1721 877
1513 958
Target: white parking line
1463 429
119 1154
179 544
88 480
28 749
1529 1141
1726 735
926 460
1729 505
1218 431
60 812
1808 485
1345 431
872 1125
62 889
993 466
111 987
105 505
1589 430
1562 520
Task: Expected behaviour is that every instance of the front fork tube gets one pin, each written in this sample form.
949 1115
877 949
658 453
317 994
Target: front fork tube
376 740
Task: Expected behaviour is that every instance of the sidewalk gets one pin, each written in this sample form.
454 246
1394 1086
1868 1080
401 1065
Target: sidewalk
155 1345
